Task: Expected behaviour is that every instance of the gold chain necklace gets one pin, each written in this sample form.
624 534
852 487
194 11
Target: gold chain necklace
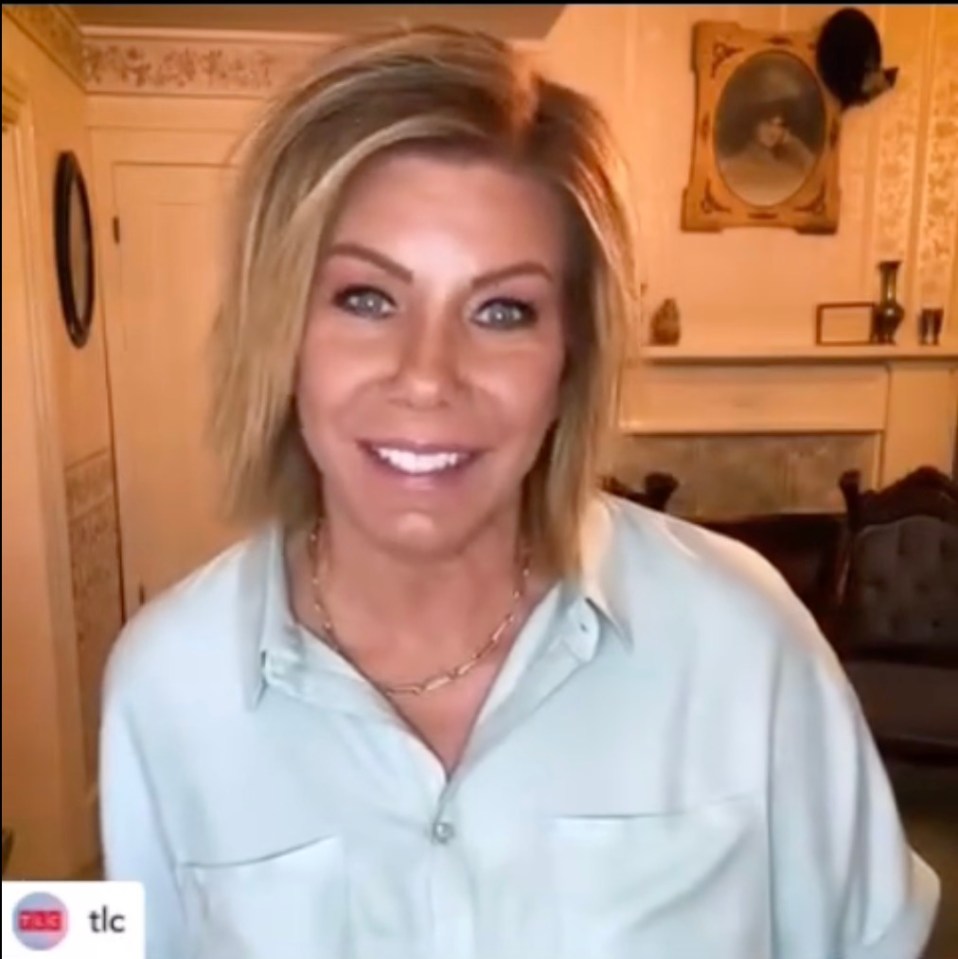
438 680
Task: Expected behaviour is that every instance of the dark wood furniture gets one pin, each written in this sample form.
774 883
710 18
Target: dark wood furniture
896 626
657 490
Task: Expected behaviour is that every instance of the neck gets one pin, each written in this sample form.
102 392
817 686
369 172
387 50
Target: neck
377 597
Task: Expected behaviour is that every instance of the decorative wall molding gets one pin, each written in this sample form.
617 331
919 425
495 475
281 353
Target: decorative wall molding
939 208
54 27
201 63
194 66
95 556
904 36
89 482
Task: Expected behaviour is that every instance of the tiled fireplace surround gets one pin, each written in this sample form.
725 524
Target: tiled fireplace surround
772 432
738 474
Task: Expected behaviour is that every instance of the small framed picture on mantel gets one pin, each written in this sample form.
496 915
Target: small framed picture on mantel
846 323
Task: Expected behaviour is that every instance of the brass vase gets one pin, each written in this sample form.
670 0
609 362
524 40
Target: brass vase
887 313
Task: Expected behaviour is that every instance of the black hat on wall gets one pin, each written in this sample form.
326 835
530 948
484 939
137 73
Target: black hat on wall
849 58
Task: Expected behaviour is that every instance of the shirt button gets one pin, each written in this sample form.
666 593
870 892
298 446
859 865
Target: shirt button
443 832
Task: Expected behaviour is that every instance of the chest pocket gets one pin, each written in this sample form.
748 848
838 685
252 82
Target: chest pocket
685 884
291 905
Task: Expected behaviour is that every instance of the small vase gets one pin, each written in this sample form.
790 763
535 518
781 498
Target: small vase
887 313
666 324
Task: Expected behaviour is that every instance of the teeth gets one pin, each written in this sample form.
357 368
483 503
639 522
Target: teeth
418 463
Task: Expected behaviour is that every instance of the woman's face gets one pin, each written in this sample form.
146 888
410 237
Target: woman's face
433 349
771 131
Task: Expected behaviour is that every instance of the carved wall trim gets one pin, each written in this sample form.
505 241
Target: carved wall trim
194 66
54 27
904 34
939 188
200 63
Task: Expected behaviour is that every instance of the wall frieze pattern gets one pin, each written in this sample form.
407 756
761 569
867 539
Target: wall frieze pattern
192 67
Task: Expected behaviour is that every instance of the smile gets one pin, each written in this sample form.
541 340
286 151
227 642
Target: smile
415 463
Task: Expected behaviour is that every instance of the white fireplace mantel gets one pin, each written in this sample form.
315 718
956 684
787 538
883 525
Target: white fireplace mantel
904 396
743 354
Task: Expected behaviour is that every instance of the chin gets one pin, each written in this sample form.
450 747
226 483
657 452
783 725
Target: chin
421 534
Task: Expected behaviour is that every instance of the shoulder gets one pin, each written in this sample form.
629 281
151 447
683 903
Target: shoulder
192 629
685 557
718 595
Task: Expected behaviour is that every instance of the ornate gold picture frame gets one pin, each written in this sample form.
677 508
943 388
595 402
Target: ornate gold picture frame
766 138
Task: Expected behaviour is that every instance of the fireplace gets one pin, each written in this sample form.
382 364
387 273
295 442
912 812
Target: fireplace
771 431
734 474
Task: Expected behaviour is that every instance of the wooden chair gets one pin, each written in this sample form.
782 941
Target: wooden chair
657 490
897 620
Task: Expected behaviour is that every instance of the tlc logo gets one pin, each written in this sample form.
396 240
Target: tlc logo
41 921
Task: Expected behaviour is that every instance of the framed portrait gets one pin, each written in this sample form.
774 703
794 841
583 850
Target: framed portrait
766 137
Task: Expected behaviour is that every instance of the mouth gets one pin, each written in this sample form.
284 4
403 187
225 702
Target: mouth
420 460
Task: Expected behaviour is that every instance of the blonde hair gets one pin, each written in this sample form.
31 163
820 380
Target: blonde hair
432 88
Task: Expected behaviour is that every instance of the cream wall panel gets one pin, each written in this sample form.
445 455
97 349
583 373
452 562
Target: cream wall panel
921 421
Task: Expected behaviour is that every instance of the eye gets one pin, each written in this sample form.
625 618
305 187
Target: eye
365 301
506 314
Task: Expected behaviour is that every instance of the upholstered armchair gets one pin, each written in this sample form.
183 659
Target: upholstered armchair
897 622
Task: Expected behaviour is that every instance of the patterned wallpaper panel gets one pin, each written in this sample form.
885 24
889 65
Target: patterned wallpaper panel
97 597
738 474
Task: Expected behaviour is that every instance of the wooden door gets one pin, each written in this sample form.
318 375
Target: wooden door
168 235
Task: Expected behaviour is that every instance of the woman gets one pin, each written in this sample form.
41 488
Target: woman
773 162
449 701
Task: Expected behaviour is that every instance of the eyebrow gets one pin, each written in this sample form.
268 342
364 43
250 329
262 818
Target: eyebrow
517 269
359 252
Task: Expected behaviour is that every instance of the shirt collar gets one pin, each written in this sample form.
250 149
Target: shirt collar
269 626
604 571
270 629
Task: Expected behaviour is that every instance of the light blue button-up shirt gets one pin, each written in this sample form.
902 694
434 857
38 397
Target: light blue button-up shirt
670 764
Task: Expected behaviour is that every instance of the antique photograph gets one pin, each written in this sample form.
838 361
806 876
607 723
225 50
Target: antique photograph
765 151
769 128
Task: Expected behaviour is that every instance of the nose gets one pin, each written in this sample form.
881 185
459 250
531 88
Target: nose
428 362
